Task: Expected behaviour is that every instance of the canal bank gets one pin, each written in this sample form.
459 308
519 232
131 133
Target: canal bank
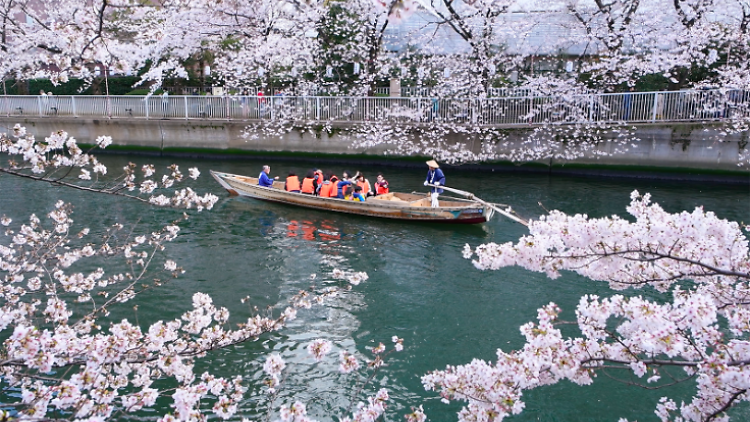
685 151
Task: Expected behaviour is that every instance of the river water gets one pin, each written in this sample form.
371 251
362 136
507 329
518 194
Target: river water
419 287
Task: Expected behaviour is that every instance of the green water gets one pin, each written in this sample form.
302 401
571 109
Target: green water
420 288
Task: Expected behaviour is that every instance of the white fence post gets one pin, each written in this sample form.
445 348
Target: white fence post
73 103
184 98
656 101
317 108
145 100
39 102
272 107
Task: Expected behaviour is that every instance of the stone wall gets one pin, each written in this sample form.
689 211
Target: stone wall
671 148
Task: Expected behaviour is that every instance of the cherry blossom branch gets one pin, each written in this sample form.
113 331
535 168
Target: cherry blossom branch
726 405
59 182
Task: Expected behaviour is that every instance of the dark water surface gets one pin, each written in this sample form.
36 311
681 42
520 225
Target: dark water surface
420 288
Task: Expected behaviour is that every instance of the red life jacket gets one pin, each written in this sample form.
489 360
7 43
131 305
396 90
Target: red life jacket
307 185
325 189
380 190
292 184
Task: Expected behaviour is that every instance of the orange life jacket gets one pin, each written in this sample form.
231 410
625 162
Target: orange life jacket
325 189
307 185
292 183
365 186
334 190
380 190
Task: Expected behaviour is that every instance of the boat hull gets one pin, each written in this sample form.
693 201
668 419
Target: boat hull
397 206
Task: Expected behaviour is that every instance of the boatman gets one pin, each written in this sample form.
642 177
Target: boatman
435 177
264 180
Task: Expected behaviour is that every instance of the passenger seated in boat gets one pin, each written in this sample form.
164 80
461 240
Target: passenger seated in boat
308 183
326 187
359 180
357 195
292 183
381 185
334 192
353 194
318 180
340 187
264 180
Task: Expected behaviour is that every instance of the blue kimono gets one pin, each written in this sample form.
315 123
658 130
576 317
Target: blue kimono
435 176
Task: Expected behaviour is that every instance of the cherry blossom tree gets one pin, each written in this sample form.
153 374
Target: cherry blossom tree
65 356
698 332
342 47
66 359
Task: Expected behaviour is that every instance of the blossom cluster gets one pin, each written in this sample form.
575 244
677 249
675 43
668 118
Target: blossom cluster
64 358
353 277
368 411
53 159
700 330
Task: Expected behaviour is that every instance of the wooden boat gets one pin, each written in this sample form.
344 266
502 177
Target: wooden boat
394 205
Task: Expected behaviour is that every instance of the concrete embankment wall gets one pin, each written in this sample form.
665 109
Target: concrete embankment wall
670 151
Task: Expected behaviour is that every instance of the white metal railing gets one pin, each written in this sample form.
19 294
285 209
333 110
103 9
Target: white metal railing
501 111
406 91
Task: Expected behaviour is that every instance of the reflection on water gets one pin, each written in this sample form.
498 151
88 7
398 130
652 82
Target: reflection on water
420 288
309 249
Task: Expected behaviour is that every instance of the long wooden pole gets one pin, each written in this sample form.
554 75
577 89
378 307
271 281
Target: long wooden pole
474 198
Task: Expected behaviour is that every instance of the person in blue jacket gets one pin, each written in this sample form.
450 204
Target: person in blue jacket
435 177
341 185
356 194
264 180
